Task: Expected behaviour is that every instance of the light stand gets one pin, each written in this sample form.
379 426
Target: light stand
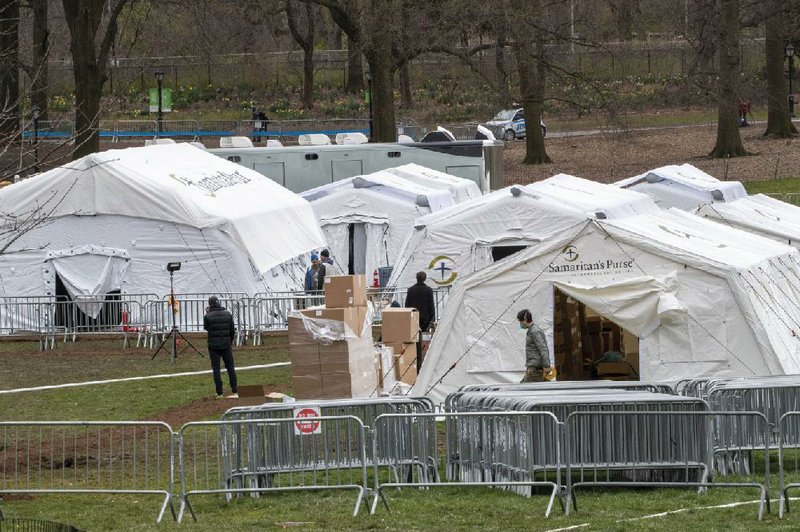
159 80
175 332
368 75
789 52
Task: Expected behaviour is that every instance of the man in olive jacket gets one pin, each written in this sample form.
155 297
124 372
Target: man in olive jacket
537 355
221 332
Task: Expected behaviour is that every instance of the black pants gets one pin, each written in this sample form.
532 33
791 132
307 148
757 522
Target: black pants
227 357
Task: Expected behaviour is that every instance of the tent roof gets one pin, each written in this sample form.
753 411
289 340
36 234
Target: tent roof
590 197
176 183
688 180
416 190
462 189
759 213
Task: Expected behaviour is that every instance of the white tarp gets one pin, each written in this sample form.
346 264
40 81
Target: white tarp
386 203
758 214
459 240
233 229
705 299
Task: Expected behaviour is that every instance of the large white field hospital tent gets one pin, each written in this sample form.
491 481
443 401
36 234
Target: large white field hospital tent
693 190
469 236
703 298
111 221
365 219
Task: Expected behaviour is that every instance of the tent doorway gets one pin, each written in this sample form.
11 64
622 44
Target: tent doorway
589 346
71 315
501 252
357 249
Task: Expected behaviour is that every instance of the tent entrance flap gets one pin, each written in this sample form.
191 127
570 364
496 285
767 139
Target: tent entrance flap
88 274
588 345
357 254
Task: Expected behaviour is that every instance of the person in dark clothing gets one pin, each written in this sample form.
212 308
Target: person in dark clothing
221 331
537 355
315 274
420 297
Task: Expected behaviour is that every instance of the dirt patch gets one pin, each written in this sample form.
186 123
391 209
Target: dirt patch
610 157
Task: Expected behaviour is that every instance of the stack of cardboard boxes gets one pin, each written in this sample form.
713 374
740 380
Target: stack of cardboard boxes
400 331
334 369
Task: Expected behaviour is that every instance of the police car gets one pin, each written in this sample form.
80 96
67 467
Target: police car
509 124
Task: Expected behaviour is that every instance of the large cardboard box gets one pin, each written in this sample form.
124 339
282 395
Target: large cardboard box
345 291
354 317
307 386
251 395
404 361
400 325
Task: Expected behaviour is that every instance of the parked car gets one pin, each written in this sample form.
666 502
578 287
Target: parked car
509 124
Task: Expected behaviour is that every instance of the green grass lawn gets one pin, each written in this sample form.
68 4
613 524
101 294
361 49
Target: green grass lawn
789 185
21 364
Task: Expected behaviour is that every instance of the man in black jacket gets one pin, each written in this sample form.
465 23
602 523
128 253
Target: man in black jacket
221 331
420 297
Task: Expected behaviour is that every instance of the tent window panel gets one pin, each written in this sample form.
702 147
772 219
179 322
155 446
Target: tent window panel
357 253
501 252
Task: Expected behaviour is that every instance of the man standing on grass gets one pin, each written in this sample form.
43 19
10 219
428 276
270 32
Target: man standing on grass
221 331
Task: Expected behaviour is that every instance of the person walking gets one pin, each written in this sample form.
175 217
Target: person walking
221 332
537 356
420 297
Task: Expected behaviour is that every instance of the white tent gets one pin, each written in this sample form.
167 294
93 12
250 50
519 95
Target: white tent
727 202
112 220
683 186
704 299
366 218
467 237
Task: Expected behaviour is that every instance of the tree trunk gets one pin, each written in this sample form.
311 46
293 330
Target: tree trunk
9 70
355 72
729 142
503 90
531 67
41 51
306 41
779 123
384 127
406 98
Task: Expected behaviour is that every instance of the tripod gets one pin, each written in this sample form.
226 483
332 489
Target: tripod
174 333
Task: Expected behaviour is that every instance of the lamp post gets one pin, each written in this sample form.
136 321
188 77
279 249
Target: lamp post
368 75
35 116
159 79
789 51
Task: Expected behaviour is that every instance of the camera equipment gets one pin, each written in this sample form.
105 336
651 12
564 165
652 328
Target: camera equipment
172 267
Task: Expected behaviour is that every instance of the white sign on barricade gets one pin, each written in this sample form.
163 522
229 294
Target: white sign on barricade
305 428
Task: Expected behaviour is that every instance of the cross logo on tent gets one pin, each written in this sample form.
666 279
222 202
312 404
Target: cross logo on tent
571 253
442 270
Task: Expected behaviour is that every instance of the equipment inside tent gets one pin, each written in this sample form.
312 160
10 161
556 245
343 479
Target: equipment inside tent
366 218
688 297
112 220
689 188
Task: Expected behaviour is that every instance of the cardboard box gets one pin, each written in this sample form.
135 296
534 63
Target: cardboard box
345 291
307 386
251 395
337 385
405 362
353 316
400 325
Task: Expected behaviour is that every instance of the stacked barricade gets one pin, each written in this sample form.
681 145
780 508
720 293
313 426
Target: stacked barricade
120 457
734 439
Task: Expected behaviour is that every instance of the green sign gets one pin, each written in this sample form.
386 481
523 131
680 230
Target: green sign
166 100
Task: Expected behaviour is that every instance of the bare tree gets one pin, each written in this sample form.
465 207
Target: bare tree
93 27
729 141
303 28
9 69
779 123
355 71
40 55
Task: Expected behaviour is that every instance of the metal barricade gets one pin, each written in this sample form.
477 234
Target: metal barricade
126 129
25 316
516 450
788 431
272 454
649 449
179 128
120 457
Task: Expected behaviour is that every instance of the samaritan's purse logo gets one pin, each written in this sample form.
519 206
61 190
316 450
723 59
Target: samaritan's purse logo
567 261
444 270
